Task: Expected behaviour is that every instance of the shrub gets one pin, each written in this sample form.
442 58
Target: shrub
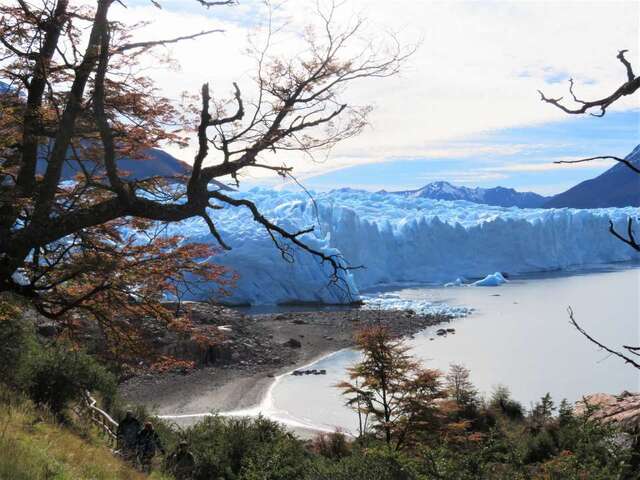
331 445
56 375
370 464
17 342
540 447
223 446
502 402
283 459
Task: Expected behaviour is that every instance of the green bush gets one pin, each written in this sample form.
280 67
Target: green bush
331 445
17 342
56 375
282 459
502 402
540 447
370 464
50 374
224 446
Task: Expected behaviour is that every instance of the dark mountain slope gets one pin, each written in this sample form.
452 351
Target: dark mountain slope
617 187
157 163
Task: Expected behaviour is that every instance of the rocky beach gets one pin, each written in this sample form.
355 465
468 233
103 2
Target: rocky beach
236 371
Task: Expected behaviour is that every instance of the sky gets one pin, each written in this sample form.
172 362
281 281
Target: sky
464 107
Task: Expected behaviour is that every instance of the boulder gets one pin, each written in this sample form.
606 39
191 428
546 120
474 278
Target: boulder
48 329
292 343
623 409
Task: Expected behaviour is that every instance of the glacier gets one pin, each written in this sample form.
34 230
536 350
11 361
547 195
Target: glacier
398 240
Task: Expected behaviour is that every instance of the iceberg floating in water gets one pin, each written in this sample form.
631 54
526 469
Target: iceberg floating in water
492 280
399 240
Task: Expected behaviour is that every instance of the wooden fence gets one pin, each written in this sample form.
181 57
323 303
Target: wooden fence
102 419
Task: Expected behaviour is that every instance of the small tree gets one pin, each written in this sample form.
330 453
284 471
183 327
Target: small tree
460 388
391 388
542 412
501 401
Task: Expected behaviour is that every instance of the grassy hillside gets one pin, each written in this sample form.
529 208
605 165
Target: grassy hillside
34 447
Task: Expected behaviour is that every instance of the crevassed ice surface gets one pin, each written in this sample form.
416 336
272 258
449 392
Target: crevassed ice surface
399 240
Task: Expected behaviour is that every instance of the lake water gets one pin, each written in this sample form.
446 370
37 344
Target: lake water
518 335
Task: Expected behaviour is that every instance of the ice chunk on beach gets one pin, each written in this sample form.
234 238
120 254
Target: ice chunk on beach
421 307
492 280
458 282
399 240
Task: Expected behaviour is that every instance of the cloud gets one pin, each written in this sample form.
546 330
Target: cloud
550 165
471 177
477 69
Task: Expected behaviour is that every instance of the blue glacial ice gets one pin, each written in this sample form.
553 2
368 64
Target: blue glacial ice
399 240
491 280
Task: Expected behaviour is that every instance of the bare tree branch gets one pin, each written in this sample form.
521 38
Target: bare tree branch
603 157
629 87
630 239
209 4
155 43
601 345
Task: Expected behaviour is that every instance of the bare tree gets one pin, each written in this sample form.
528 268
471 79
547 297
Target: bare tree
629 87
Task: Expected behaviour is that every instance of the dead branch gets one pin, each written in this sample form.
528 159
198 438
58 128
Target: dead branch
630 238
601 345
603 157
627 88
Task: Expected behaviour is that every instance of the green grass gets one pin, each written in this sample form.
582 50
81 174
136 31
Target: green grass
34 447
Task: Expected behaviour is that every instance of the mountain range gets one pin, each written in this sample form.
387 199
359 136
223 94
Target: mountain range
617 187
499 196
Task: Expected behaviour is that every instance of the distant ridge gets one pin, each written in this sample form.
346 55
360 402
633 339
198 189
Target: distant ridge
498 196
157 163
617 187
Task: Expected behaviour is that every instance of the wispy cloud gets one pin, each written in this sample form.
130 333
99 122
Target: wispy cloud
548 166
472 177
476 72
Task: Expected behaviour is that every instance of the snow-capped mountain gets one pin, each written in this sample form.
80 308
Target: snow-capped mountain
498 196
617 187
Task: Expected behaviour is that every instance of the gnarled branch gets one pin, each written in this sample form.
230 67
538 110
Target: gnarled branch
601 345
603 157
629 87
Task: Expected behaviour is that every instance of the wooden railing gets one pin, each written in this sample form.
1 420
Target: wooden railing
102 419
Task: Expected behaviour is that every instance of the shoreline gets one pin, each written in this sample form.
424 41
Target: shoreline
243 387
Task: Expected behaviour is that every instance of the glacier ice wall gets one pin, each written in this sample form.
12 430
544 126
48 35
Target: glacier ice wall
401 240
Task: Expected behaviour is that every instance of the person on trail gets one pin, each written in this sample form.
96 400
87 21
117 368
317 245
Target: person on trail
127 434
147 442
181 462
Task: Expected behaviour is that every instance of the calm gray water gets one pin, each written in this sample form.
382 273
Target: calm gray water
518 335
